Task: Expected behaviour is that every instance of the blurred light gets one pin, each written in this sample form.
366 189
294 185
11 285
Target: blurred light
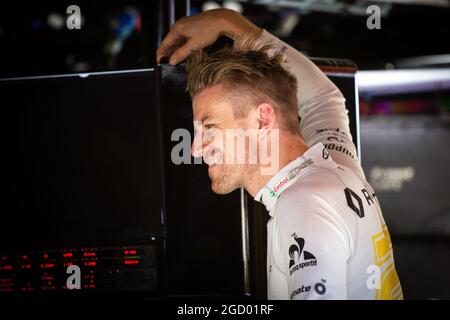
389 66
234 5
122 25
210 5
403 81
80 66
425 61
56 21
437 3
288 24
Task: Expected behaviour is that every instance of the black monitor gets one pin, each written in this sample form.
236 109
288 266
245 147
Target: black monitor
82 176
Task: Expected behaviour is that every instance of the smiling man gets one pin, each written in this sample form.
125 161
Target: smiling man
327 238
236 103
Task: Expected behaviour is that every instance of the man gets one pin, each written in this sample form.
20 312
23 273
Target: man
327 238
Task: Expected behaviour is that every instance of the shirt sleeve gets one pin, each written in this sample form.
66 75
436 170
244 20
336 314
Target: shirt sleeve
323 116
312 250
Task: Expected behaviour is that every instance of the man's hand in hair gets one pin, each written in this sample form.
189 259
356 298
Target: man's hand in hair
201 30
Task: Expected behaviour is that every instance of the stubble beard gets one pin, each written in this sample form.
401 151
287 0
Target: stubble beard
228 178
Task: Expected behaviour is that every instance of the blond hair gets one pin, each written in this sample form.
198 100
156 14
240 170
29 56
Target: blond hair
250 76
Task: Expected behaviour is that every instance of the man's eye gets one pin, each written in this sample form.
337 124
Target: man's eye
208 126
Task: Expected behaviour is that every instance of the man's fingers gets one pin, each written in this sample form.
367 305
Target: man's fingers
182 53
170 40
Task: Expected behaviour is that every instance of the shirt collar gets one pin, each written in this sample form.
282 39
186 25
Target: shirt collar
269 194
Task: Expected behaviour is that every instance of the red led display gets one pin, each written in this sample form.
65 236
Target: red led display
6 268
89 254
44 270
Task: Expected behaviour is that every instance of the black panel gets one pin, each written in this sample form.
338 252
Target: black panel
81 160
82 173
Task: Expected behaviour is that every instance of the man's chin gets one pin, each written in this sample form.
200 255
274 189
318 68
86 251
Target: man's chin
221 189
224 178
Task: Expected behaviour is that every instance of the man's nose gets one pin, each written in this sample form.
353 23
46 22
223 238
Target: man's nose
198 145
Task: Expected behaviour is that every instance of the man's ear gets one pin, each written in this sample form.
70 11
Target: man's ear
266 116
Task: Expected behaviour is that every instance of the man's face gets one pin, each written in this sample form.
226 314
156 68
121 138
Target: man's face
214 120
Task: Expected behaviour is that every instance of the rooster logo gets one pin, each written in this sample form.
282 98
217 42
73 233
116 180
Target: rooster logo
296 250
